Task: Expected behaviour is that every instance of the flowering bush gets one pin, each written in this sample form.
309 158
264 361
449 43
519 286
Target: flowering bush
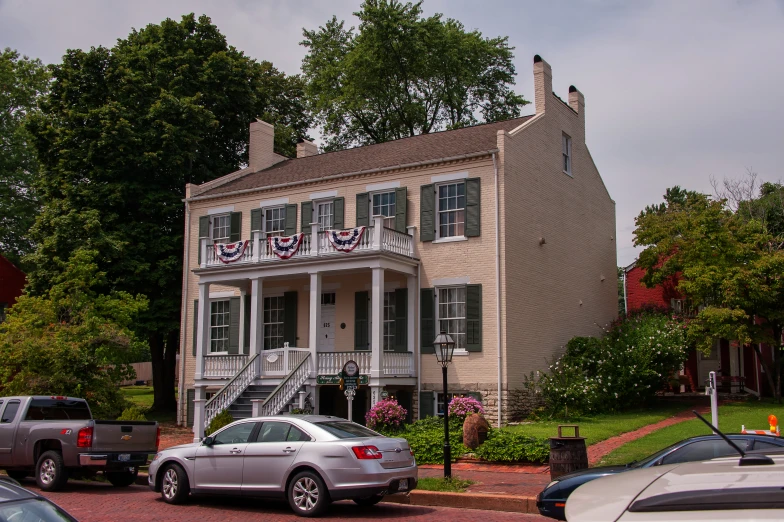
624 368
464 406
386 415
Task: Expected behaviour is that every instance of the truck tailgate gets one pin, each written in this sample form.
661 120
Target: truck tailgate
124 436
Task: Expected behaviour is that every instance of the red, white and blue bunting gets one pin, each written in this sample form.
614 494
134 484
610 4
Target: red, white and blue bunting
284 247
345 240
230 252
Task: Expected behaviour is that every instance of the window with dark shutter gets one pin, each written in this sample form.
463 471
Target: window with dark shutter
401 209
401 320
361 338
204 233
427 224
255 220
473 207
236 227
195 324
246 326
426 409
291 220
290 313
474 318
234 326
339 208
363 219
307 216
427 319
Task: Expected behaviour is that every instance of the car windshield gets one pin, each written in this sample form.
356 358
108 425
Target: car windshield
32 510
652 458
346 430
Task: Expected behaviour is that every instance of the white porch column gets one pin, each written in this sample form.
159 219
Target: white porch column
256 245
315 321
203 330
256 318
377 322
315 237
203 247
198 413
411 311
378 231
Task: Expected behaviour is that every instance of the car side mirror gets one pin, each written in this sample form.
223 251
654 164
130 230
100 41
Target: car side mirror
207 441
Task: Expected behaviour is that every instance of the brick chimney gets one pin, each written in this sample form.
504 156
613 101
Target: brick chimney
260 148
543 83
306 148
577 102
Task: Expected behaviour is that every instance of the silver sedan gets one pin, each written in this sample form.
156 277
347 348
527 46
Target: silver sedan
311 460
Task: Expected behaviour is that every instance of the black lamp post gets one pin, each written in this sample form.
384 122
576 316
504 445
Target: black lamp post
445 348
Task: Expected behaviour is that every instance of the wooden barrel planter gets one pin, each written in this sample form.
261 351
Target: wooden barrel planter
567 454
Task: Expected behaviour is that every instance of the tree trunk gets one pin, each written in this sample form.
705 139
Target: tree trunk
772 373
164 358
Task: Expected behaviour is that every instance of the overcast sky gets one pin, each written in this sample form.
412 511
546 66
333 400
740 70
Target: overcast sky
675 91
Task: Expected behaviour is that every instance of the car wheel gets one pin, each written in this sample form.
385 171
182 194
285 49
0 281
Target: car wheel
16 474
174 484
122 479
308 496
372 500
50 472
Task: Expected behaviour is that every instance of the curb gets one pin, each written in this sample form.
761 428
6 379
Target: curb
482 501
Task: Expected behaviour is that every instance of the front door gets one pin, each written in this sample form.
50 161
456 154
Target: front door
219 465
707 363
270 456
326 342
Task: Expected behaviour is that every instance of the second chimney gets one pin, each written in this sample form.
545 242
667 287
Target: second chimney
261 146
306 148
543 83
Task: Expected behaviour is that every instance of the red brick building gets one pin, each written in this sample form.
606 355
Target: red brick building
738 366
12 282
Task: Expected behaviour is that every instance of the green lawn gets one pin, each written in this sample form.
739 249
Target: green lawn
753 414
453 485
142 397
600 427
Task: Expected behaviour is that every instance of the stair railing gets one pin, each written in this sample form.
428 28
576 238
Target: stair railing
233 389
286 390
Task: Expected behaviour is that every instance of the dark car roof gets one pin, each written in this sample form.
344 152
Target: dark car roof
10 492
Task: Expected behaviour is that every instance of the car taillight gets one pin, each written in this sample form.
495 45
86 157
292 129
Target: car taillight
85 437
366 452
158 439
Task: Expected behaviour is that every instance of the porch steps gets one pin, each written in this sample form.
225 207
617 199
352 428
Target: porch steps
243 407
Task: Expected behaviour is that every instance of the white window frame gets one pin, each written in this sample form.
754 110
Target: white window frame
566 153
222 308
438 210
388 333
458 350
316 206
267 321
265 220
214 228
389 221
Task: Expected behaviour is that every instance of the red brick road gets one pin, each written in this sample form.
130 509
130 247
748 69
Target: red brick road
97 502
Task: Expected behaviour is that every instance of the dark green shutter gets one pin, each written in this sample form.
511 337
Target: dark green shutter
290 318
426 404
401 320
291 220
255 219
474 318
236 226
338 206
246 325
363 208
204 232
475 395
234 325
427 319
401 205
473 207
361 321
427 203
190 396
307 216
195 324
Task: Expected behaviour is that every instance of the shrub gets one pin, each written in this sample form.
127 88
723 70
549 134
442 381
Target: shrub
222 419
503 445
132 414
621 370
426 438
464 406
386 415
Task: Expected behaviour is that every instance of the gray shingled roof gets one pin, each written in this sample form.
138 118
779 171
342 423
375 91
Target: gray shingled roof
425 147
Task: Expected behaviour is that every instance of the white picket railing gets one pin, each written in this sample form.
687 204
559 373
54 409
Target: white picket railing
331 363
286 390
397 242
398 363
229 393
223 366
365 243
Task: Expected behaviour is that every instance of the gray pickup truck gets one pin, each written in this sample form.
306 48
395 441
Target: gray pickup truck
57 437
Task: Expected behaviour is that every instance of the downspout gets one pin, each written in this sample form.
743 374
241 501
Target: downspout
625 301
498 285
419 339
184 314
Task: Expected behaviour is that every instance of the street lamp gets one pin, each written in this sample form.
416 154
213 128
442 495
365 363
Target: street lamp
445 348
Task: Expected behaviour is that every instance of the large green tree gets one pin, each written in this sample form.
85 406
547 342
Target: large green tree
729 260
121 133
22 82
402 74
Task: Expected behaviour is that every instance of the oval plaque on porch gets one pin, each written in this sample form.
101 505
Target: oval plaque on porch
272 357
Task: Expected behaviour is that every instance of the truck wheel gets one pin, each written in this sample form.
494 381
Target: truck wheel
50 472
122 479
174 484
307 495
16 474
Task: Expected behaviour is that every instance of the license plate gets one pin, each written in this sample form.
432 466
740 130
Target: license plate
124 457
402 485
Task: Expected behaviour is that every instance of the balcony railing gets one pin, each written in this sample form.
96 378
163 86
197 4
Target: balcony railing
223 366
374 239
392 363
